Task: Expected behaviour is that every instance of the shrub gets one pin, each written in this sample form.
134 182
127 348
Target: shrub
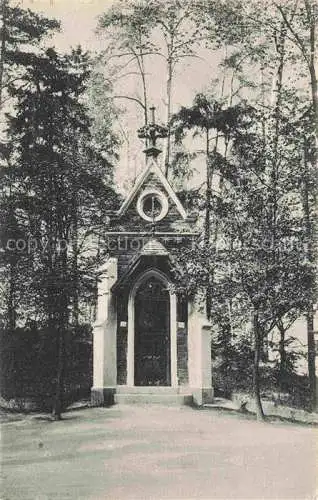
28 366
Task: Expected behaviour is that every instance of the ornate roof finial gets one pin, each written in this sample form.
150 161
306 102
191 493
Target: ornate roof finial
152 131
153 109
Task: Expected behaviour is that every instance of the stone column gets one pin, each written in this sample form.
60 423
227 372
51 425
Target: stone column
105 339
199 356
173 340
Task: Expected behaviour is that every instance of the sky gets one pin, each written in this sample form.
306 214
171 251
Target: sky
78 23
78 18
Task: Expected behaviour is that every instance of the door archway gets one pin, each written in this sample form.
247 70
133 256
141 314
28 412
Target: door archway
152 332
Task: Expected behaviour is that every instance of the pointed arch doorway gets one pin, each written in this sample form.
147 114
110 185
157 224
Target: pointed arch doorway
152 335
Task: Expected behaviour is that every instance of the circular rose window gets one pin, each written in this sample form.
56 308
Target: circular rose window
152 205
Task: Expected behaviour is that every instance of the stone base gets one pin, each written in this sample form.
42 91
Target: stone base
202 396
154 398
103 396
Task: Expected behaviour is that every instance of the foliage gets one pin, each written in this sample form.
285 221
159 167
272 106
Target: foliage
233 364
28 367
59 186
139 36
258 255
20 30
254 266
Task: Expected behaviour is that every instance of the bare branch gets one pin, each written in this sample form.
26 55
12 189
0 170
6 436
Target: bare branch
296 39
129 98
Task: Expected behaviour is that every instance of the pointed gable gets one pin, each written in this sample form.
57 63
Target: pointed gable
152 177
154 247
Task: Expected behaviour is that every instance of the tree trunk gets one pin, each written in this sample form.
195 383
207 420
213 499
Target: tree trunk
207 228
311 358
144 87
61 304
3 45
312 68
310 314
61 329
11 297
139 56
59 387
256 375
280 48
169 87
13 278
208 191
75 277
282 356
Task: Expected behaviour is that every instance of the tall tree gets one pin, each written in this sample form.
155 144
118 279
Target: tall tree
140 32
205 116
260 262
266 36
180 35
19 29
302 31
65 188
301 28
128 27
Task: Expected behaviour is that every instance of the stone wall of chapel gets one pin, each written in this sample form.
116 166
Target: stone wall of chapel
127 248
122 345
121 356
131 220
173 221
122 338
182 356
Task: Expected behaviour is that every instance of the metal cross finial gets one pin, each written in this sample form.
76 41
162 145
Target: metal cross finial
153 119
152 131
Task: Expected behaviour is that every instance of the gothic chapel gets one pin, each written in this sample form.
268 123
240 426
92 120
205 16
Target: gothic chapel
150 345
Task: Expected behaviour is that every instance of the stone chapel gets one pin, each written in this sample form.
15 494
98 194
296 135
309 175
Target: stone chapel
149 344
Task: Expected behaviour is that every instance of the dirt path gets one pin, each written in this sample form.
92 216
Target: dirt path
154 452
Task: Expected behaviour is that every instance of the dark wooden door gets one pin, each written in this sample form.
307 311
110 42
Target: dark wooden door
152 334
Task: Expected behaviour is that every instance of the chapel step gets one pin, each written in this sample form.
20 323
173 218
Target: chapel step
172 399
149 389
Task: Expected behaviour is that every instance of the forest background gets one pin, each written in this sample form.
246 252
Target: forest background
236 87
